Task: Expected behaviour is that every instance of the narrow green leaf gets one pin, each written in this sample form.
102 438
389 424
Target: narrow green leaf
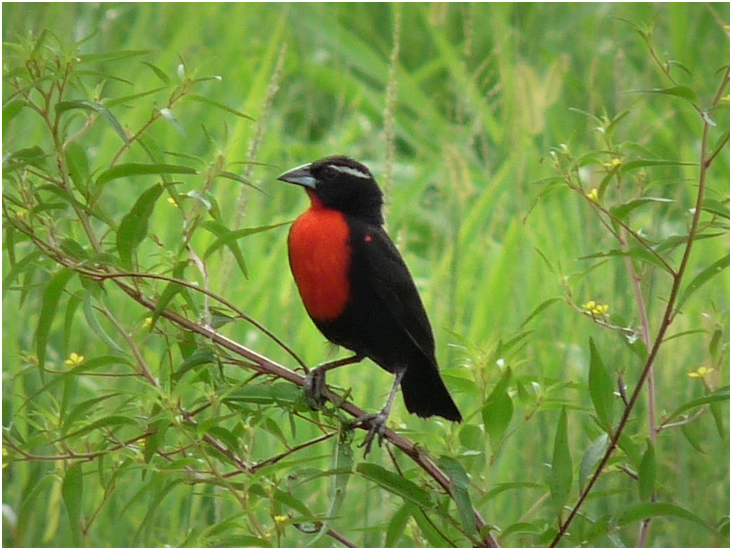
560 479
212 103
722 394
228 238
434 536
83 104
498 410
93 322
643 163
78 165
541 307
164 78
199 357
718 208
73 494
397 525
132 169
459 488
645 510
592 457
106 422
715 269
602 388
112 56
622 210
133 228
647 473
637 252
49 305
169 292
684 92
132 97
10 111
342 463
396 484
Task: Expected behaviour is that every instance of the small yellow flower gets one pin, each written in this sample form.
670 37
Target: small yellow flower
281 518
701 372
147 323
171 200
596 308
74 359
593 196
613 164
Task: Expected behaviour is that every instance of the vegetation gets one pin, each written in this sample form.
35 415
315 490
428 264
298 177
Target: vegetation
557 179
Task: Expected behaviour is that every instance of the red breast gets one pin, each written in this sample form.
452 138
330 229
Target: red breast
320 257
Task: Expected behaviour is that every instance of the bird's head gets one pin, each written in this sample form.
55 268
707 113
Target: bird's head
340 183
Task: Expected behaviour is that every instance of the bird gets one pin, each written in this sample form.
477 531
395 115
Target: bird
358 291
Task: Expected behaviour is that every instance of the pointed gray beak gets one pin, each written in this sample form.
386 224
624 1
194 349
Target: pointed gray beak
299 176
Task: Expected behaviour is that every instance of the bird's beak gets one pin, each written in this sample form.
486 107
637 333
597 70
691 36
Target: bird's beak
299 176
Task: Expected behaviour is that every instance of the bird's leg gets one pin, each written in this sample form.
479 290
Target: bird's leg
378 420
315 380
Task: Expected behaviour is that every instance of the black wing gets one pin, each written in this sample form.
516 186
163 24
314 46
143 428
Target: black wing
379 265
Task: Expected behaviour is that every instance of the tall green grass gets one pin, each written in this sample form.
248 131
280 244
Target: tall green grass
485 94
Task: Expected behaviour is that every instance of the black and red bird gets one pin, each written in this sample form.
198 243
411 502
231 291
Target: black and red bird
358 290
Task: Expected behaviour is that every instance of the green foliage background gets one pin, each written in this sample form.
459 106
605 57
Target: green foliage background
483 95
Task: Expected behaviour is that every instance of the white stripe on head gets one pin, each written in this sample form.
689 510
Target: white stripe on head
350 171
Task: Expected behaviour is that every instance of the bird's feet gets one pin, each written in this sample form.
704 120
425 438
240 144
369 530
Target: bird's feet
377 428
314 389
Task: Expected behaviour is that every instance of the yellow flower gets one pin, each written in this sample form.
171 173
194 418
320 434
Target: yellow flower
147 322
701 372
613 164
596 308
74 359
593 196
171 200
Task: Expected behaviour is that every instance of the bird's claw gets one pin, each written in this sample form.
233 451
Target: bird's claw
314 389
377 428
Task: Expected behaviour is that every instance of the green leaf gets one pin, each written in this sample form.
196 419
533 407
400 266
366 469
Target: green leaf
169 292
722 394
645 510
207 101
78 165
684 92
718 208
342 465
397 525
643 163
602 388
84 105
715 269
622 210
647 473
396 484
93 322
73 493
165 79
49 305
592 457
112 56
541 307
459 486
560 479
133 228
498 410
636 252
132 169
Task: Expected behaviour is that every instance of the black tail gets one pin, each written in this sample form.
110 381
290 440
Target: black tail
425 394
